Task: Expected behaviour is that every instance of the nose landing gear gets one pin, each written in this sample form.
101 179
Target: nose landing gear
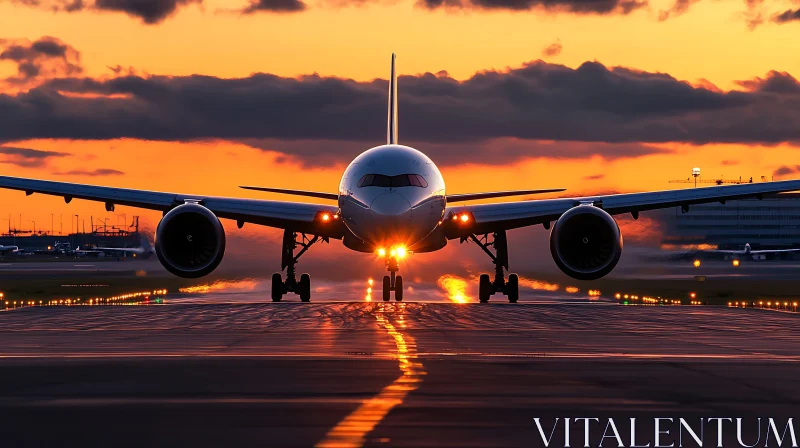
288 262
487 287
392 282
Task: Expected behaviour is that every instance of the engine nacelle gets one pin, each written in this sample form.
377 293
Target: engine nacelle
585 242
190 241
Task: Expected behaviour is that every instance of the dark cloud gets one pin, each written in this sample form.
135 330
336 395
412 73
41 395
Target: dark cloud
95 172
274 6
784 170
149 11
774 82
787 16
44 58
594 177
553 49
501 111
493 152
574 6
25 157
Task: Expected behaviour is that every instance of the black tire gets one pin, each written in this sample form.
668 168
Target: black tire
512 288
387 288
485 288
277 287
305 288
398 289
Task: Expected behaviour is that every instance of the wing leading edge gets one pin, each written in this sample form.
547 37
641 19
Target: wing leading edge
297 216
511 215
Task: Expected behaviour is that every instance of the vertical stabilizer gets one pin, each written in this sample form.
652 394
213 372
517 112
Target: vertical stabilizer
391 137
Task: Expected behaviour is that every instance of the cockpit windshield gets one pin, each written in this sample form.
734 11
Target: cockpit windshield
401 180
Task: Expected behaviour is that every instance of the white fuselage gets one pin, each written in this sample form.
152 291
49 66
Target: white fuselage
392 195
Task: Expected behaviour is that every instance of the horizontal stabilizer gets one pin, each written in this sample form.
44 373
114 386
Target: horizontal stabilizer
311 194
497 194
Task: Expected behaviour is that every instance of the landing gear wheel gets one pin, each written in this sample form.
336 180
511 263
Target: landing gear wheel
512 288
277 287
305 288
387 288
485 288
398 289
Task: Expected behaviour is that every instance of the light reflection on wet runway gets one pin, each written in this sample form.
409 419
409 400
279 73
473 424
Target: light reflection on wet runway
353 429
355 329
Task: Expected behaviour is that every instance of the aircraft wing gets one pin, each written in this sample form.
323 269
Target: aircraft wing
297 216
772 251
510 215
496 194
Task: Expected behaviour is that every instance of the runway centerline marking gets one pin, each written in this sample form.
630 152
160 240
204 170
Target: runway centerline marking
353 429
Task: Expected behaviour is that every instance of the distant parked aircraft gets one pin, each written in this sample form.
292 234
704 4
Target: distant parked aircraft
5 250
108 251
749 252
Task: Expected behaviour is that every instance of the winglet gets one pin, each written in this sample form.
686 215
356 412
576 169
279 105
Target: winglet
391 137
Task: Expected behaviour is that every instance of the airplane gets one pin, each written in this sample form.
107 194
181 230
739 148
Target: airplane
746 252
391 201
5 250
104 251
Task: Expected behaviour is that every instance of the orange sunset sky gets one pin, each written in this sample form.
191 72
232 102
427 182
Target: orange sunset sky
202 96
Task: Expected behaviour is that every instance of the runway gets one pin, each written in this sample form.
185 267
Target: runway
200 373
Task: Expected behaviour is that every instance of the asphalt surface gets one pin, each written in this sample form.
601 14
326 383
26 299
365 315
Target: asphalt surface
199 373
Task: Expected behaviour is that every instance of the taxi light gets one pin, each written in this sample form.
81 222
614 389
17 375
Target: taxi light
381 252
735 263
401 252
393 252
696 263
326 217
464 217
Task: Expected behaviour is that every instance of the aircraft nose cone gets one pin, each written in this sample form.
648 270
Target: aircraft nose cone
391 210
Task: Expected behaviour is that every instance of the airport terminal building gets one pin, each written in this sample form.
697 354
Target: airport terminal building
770 223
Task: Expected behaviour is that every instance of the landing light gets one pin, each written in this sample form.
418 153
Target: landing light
381 252
326 217
401 252
464 217
735 263
696 263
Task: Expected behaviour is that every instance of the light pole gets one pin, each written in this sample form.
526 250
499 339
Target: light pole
34 225
52 224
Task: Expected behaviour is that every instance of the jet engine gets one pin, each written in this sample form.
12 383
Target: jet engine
190 241
585 242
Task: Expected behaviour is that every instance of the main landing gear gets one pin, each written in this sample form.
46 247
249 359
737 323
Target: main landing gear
500 259
288 261
392 282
